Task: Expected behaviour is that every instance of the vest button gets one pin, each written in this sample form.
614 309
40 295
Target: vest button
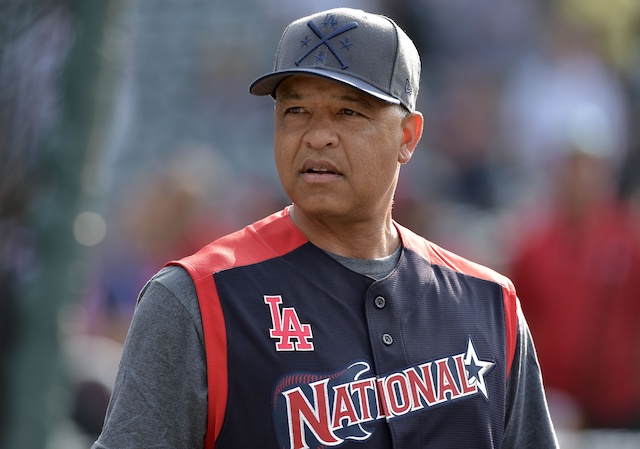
387 339
380 302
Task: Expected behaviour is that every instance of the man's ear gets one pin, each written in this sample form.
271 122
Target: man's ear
412 126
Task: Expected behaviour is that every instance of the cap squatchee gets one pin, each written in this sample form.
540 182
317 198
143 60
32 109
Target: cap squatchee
369 52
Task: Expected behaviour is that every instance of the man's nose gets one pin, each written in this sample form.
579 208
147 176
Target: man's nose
321 133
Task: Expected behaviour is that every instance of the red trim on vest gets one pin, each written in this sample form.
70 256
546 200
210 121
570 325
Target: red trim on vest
271 237
440 256
215 337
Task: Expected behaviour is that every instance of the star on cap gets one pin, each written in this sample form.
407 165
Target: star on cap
321 56
346 43
476 369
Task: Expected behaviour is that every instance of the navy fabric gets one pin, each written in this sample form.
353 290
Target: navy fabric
431 316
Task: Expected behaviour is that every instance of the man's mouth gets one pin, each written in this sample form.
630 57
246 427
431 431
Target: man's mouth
319 168
320 171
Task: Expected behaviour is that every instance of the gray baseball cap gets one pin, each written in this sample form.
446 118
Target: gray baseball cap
369 52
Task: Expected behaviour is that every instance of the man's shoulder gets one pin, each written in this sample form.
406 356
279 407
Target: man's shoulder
265 239
437 255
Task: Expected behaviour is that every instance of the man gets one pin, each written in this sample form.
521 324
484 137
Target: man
327 323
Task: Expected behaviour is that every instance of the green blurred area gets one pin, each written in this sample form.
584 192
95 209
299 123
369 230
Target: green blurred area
41 191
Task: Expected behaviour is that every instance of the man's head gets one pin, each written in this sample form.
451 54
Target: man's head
345 84
366 51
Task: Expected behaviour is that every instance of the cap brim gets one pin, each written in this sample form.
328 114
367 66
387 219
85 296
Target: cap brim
266 84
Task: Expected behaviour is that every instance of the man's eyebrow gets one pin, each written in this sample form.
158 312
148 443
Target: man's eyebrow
288 95
360 100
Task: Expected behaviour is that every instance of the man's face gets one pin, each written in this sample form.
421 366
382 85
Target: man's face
337 150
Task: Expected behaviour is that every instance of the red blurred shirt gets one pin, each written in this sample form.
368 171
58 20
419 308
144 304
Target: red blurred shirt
580 291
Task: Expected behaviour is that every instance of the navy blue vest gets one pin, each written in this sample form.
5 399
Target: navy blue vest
303 352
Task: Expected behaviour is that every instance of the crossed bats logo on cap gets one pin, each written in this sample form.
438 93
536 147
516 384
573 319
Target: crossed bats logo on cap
325 40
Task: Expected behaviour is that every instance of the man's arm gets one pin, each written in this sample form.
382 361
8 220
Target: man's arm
528 424
160 394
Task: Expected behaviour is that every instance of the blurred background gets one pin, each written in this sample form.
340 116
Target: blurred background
128 139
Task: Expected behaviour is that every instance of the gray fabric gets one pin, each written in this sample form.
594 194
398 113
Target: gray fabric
160 394
374 268
528 424
160 398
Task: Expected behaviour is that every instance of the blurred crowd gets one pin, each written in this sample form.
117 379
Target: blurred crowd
530 164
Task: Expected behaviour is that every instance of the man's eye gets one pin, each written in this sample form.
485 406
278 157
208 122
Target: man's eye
294 110
348 112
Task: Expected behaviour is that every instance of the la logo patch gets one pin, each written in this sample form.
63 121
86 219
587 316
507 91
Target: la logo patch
290 334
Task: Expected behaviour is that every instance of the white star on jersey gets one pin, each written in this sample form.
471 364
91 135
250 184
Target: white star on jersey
476 369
